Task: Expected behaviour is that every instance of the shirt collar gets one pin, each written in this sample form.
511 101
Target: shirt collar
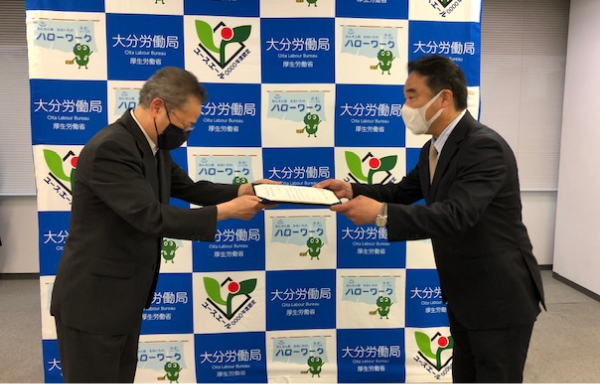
441 140
153 146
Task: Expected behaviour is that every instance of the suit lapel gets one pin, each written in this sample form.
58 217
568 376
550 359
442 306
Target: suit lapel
424 170
162 177
150 165
150 162
450 148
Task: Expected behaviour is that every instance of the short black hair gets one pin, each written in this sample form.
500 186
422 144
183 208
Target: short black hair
442 73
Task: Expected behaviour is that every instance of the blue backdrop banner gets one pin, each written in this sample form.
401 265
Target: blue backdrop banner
299 91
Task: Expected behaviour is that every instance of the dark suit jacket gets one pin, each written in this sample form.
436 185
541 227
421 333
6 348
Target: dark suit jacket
109 268
483 254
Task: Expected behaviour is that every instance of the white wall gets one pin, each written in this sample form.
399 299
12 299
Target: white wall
539 212
19 252
578 206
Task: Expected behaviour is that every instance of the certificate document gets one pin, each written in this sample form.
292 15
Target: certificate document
279 193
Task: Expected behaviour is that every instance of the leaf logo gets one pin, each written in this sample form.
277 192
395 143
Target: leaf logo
425 348
233 288
56 165
228 36
376 165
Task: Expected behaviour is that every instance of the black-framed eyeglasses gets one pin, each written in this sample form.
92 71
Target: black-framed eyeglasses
186 127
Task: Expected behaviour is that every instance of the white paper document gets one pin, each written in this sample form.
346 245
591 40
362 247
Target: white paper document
295 194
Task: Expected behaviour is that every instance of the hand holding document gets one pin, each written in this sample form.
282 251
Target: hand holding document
295 194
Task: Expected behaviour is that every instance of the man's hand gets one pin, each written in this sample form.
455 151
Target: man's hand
340 188
243 207
361 210
247 190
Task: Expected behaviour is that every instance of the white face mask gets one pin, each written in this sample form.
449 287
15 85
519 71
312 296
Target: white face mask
414 118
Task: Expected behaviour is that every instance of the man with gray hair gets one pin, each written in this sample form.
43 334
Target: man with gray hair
110 265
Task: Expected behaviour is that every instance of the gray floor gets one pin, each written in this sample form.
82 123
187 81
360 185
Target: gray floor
565 346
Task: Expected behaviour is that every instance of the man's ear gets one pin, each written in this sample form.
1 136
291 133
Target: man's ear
447 98
155 106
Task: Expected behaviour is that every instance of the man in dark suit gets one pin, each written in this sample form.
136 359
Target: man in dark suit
488 274
120 212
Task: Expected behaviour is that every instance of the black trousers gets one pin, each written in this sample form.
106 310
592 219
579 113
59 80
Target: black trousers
90 358
489 356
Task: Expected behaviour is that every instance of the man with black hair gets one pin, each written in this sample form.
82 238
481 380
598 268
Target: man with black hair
468 176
